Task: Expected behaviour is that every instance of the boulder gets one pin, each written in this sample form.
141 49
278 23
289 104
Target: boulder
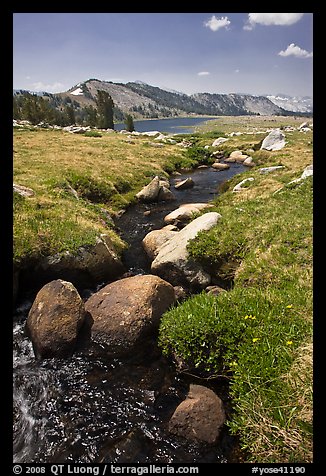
267 170
55 319
155 239
218 154
308 172
89 266
127 312
184 184
249 162
274 141
238 156
238 187
215 290
23 191
217 166
151 133
185 212
165 194
150 192
199 417
173 262
219 141
229 160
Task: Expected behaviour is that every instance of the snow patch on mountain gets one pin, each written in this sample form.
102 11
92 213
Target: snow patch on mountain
77 92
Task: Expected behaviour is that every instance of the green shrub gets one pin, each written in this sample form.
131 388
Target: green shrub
92 134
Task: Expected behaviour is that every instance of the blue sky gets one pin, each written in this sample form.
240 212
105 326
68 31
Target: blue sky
256 53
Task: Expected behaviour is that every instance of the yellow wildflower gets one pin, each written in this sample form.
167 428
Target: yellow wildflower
289 306
255 339
289 342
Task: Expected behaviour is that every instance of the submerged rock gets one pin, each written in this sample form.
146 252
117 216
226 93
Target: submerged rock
127 312
199 417
55 319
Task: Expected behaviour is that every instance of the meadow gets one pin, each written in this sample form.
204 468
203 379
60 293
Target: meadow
258 335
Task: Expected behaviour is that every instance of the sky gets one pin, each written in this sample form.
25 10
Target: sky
254 53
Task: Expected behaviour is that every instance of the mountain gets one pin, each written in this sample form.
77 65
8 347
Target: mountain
143 100
238 104
295 103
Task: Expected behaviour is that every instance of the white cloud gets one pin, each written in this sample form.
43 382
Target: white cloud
50 88
272 19
237 70
203 73
216 23
294 50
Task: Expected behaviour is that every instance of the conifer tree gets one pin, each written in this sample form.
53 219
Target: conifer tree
105 110
129 123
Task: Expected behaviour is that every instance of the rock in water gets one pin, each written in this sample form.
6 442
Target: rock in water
274 141
200 416
185 212
55 319
150 192
218 166
187 183
173 262
127 312
155 239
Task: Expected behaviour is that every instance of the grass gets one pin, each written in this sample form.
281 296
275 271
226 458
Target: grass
258 335
105 172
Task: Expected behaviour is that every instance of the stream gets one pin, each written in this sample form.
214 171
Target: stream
88 409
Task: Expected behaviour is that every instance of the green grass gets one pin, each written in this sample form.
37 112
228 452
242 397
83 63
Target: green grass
257 335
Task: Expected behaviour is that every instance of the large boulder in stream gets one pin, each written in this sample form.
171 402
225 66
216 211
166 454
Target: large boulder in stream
156 191
55 319
173 262
200 416
127 312
155 239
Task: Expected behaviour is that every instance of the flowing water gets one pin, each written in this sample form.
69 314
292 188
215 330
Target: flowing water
90 409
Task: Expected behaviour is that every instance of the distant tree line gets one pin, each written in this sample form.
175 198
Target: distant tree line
55 110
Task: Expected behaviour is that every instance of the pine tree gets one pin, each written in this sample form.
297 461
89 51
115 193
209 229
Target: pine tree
90 116
129 123
70 114
105 110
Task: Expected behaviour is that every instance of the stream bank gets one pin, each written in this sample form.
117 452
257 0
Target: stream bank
89 408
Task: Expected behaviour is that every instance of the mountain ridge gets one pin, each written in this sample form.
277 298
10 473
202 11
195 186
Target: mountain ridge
142 100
